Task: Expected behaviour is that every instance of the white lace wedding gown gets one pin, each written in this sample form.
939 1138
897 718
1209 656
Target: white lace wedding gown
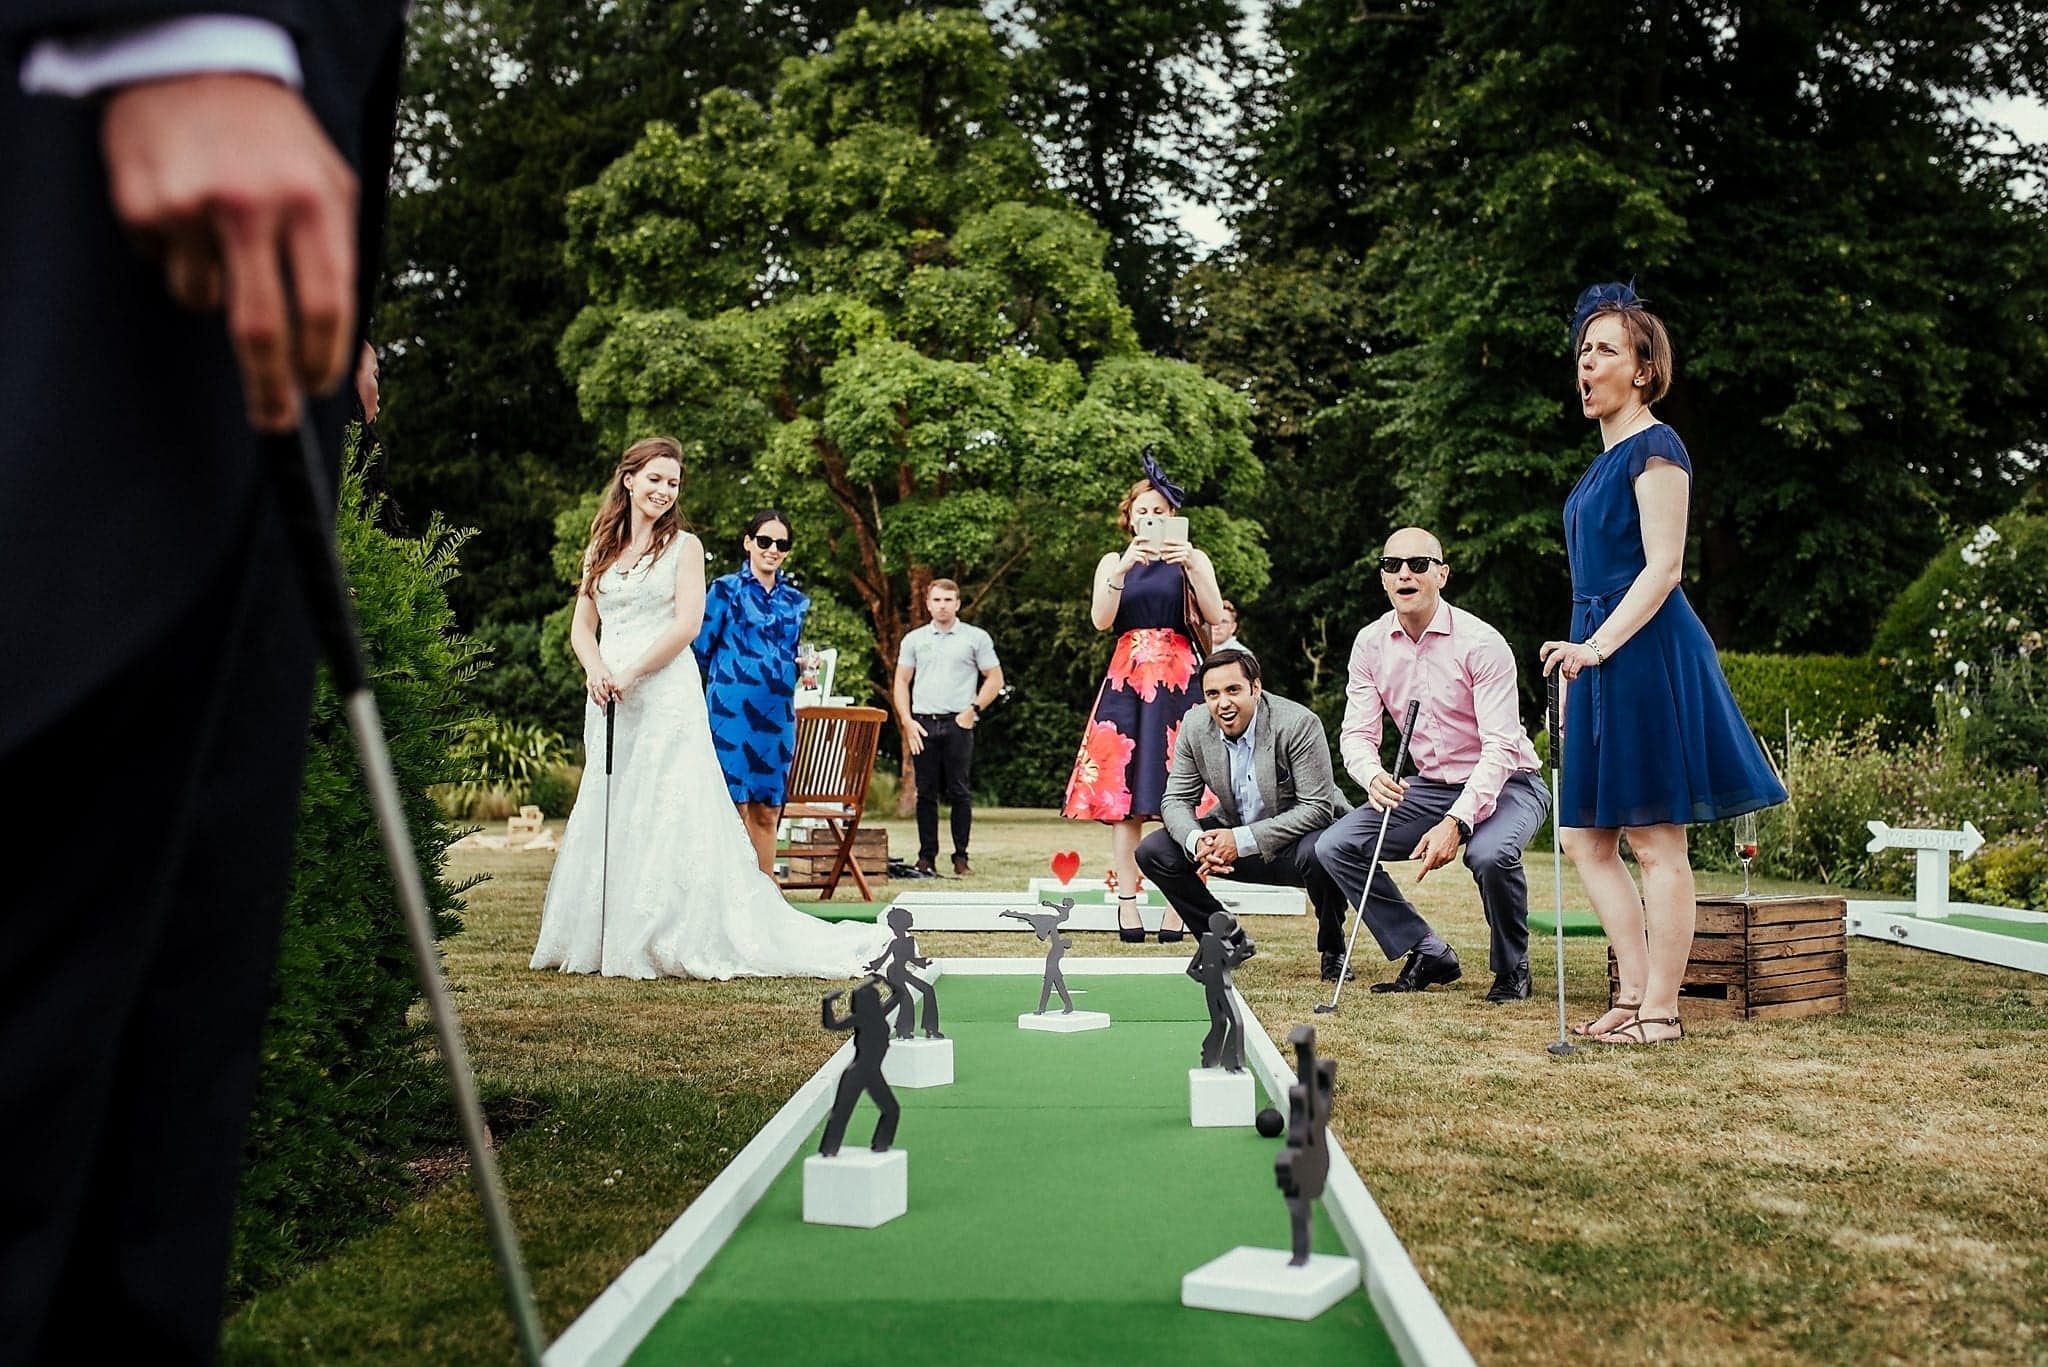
684 896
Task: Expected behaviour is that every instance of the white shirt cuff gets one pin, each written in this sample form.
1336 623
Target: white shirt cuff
1194 837
1245 844
88 64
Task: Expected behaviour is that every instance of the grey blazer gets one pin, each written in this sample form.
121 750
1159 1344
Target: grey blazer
1291 758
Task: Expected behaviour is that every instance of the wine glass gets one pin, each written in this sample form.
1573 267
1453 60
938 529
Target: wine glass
1745 845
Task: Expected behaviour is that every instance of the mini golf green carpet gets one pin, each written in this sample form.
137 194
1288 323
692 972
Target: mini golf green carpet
1575 923
1057 1194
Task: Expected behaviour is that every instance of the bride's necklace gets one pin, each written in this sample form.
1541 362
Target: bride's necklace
632 555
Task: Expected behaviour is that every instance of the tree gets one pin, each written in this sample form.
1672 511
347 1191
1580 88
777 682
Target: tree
861 301
509 105
1853 277
1127 99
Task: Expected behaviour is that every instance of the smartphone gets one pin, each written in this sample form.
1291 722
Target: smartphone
1156 531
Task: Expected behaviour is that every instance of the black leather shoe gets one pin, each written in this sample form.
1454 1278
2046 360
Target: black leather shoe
925 869
1424 971
1510 985
1333 964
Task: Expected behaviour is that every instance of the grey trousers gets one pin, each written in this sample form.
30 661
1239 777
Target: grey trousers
1494 855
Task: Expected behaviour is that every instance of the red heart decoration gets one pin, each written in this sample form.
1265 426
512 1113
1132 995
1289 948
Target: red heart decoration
1065 864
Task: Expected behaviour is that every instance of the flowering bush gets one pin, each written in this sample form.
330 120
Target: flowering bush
1837 783
1981 604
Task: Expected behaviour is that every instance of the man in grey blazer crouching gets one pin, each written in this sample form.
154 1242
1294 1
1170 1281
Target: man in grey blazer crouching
1268 762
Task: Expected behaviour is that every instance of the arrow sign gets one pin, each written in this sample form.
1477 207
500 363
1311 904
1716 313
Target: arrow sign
1963 843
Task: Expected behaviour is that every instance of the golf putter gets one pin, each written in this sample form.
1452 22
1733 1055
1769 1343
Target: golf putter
604 876
308 519
1563 1046
1400 762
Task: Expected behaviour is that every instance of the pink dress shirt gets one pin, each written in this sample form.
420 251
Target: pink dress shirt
1470 728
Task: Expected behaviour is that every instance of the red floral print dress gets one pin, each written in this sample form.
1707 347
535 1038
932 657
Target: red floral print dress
1120 771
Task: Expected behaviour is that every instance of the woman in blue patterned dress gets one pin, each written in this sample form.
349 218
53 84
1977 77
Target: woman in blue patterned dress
1653 740
747 654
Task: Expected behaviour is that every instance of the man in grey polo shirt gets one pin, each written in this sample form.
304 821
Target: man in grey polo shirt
946 674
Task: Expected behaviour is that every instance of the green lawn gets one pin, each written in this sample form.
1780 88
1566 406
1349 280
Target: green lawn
1838 1189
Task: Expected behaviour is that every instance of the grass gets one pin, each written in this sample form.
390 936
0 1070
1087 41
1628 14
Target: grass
1843 1189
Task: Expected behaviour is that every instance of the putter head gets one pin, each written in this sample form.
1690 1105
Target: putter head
1561 1048
1325 1008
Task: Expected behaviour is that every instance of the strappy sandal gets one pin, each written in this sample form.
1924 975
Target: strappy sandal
1586 1031
1640 1037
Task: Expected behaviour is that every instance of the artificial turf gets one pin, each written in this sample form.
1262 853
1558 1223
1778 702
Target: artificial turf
2019 930
1057 1195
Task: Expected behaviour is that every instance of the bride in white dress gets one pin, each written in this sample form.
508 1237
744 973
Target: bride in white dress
684 895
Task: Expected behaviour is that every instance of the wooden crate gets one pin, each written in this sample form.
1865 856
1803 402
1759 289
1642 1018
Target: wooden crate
809 853
1761 957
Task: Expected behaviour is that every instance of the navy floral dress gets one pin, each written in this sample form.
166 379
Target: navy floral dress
746 651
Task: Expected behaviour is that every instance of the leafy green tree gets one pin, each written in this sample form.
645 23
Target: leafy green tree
860 300
1127 99
1854 277
509 105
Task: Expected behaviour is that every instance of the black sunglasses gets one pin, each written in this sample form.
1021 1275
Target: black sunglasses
1417 564
780 543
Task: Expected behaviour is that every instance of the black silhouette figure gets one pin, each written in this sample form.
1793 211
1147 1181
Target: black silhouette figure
900 956
1303 1165
1047 928
869 1021
1221 948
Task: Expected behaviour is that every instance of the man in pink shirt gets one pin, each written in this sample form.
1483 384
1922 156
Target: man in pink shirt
1476 781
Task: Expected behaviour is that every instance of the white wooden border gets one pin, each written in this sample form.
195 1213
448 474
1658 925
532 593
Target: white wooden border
1895 923
606 1333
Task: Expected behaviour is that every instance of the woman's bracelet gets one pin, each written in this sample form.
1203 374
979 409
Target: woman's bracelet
1113 588
1599 655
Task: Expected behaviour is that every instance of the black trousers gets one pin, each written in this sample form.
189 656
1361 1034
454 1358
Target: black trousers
135 971
1161 859
942 767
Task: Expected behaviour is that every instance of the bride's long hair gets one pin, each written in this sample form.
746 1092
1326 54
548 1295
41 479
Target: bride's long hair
611 531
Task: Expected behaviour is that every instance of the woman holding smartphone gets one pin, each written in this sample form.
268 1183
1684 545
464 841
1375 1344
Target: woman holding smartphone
1143 594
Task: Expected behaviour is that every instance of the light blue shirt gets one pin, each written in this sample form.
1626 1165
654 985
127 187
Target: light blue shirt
1244 786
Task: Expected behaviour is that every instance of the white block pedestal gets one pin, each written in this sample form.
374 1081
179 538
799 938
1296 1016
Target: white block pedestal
1259 1281
1064 1022
919 1063
856 1187
1217 1098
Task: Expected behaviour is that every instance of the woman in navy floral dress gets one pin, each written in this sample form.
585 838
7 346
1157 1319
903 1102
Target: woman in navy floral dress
747 654
1120 772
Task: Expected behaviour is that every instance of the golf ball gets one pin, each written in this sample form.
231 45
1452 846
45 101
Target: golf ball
1269 1122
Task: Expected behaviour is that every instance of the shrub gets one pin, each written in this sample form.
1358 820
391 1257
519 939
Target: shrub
554 791
517 684
1838 783
1024 753
501 762
1823 694
1982 600
2011 871
347 1091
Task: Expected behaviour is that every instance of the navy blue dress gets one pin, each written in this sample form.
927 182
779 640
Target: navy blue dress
1652 736
1120 770
746 651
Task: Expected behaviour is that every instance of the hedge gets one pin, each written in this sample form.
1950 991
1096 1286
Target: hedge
348 1089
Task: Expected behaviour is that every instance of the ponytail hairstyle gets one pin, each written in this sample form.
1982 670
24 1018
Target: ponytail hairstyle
611 531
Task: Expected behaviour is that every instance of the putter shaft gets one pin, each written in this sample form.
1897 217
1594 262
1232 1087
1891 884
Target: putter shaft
1372 870
309 521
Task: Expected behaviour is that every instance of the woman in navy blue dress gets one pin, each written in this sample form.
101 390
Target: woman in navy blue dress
1141 595
1653 740
747 654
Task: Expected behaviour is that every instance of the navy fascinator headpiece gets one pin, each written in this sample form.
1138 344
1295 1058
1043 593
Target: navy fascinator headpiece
1172 492
1595 297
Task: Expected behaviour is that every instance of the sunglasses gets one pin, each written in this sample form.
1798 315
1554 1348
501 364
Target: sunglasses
780 543
1417 564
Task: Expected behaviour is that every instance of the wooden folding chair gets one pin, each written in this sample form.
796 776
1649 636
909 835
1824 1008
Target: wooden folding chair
828 782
